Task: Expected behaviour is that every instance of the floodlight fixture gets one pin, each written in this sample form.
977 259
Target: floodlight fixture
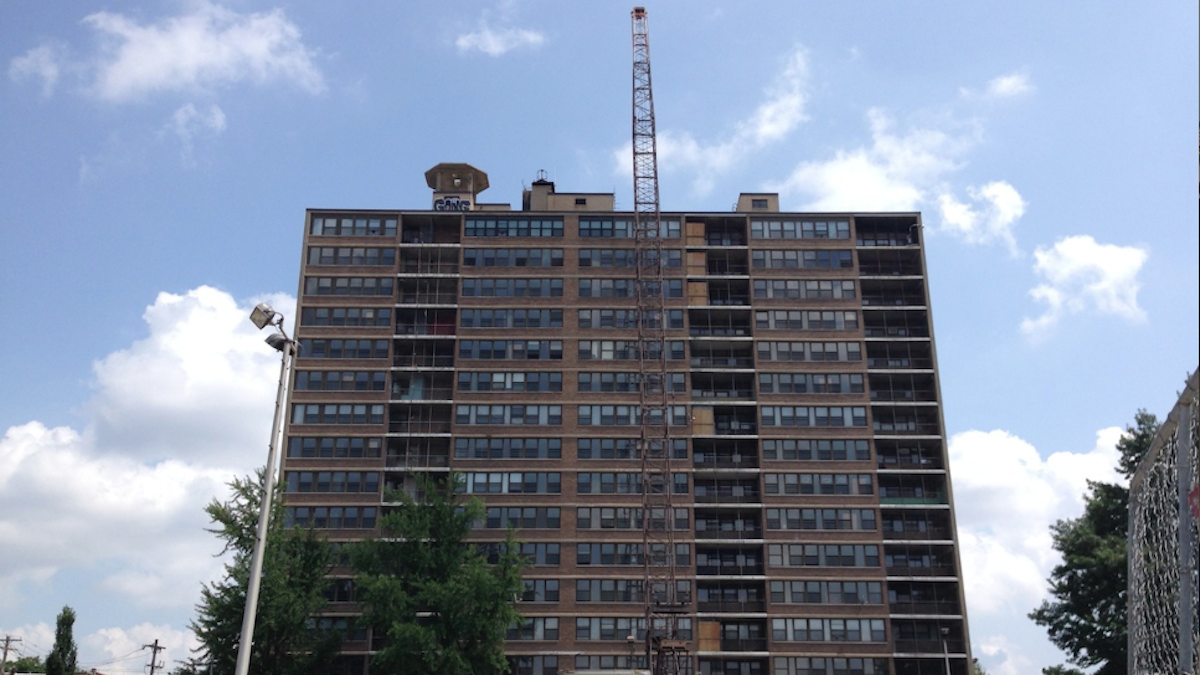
263 315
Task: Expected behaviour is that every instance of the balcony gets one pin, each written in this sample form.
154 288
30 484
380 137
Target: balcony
727 493
423 361
731 606
926 534
744 644
722 361
918 607
417 461
420 427
712 460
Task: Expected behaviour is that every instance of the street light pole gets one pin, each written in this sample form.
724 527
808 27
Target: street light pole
263 316
945 649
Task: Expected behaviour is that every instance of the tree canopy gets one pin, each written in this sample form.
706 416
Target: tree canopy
1086 614
292 591
441 608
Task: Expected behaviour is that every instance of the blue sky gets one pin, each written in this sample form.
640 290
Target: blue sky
158 158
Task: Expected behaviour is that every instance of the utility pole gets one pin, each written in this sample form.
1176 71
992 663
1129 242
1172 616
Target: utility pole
154 650
8 639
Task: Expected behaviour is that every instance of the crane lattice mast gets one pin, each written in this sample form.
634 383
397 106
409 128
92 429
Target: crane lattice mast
666 652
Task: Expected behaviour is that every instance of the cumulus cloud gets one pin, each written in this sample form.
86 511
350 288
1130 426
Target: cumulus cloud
782 110
44 62
118 505
498 41
898 172
187 123
1079 275
996 208
1008 86
1007 496
208 48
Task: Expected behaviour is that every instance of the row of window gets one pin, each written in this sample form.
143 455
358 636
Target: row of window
810 383
615 518
337 413
818 484
337 348
357 255
804 289
511 483
511 318
341 380
370 317
535 287
828 630
334 447
331 517
628 288
626 257
332 481
827 592
813 416
507 448
801 259
629 415
352 286
799 229
628 318
796 319
809 351
508 381
623 382
804 665
541 415
513 257
352 227
532 350
513 227
628 350
524 517
611 228
821 519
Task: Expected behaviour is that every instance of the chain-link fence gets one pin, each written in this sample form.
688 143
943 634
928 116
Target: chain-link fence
1163 548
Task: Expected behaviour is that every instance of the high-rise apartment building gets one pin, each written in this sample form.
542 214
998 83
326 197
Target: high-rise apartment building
811 491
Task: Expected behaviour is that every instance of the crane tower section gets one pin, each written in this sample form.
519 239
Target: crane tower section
666 652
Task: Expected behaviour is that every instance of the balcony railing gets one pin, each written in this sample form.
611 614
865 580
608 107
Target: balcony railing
703 460
417 461
428 298
746 533
735 428
729 570
917 607
723 393
408 267
729 300
902 428
902 395
422 394
929 571
744 644
420 427
727 495
731 606
423 361
931 534
723 361
425 328
910 646
902 362
719 331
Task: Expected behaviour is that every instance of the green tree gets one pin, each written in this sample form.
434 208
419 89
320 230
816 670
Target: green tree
25 664
1086 614
292 591
441 607
61 660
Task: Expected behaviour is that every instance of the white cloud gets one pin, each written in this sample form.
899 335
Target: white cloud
1008 86
187 123
210 47
898 172
1007 496
44 62
782 110
118 507
1082 275
126 649
999 207
499 41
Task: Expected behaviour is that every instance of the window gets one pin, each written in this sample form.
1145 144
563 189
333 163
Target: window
814 416
513 227
509 381
341 380
515 414
337 413
626 415
334 447
511 318
534 628
626 350
512 288
628 318
331 481
522 517
346 316
625 448
511 483
532 350
788 259
809 351
790 449
362 286
625 257
823 555
329 255
507 448
799 229
626 288
331 517
513 257
804 289
344 349
327 226
796 319
811 383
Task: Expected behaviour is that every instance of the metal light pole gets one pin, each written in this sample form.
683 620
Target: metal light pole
945 649
262 316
